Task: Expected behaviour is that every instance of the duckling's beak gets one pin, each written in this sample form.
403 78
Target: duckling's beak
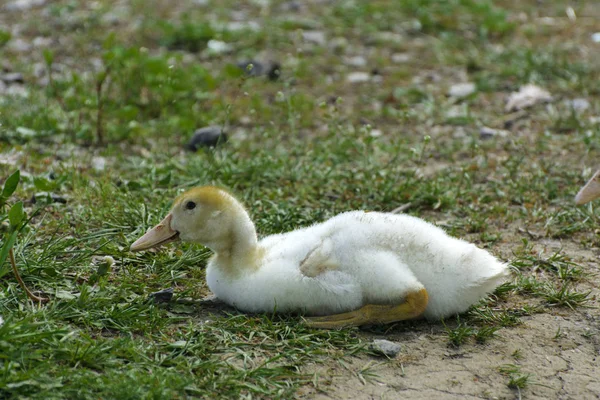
160 234
590 191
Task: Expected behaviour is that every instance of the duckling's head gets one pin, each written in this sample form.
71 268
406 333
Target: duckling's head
205 215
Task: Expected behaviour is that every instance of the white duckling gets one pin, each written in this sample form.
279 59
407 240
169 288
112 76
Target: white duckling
590 191
353 269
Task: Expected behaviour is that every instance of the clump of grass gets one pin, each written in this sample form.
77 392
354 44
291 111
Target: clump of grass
459 335
487 19
559 334
502 318
486 333
517 354
560 266
517 380
4 37
563 296
187 35
368 373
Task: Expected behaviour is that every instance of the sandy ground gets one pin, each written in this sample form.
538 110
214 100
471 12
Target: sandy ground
560 368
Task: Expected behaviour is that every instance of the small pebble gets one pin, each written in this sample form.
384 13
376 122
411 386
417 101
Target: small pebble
579 104
487 133
358 77
12 77
356 61
209 136
19 45
17 90
162 296
243 25
271 69
461 90
23 5
25 132
316 37
400 58
218 47
338 44
53 198
41 42
99 163
385 348
596 37
595 120
388 37
293 6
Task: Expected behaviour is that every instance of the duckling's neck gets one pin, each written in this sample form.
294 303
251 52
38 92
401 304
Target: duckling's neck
238 250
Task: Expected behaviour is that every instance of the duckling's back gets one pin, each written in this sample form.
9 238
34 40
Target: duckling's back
455 273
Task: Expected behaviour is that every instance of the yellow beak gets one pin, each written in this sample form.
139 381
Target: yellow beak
590 191
160 234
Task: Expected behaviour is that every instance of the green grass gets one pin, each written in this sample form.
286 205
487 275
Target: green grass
301 150
517 380
116 355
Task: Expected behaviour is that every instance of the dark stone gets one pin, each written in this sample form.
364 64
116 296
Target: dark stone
49 197
12 77
271 70
209 136
58 199
162 296
487 133
293 6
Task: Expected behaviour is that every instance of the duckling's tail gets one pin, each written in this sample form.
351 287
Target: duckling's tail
496 276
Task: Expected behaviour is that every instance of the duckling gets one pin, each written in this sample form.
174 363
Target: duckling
590 191
356 268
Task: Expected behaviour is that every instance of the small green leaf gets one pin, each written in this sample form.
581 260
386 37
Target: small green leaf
63 294
103 269
50 272
4 37
165 180
7 245
48 56
133 185
43 184
11 184
110 41
16 214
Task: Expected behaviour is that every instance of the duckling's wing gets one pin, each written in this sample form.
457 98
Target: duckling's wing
319 260
321 266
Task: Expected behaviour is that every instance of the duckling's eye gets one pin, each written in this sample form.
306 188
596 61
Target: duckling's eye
190 205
